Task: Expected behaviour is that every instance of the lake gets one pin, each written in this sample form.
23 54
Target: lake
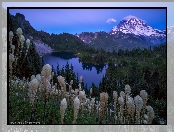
91 73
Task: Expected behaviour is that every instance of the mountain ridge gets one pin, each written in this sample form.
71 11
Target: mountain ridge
115 39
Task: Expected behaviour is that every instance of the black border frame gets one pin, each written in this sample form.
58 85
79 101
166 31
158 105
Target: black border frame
8 8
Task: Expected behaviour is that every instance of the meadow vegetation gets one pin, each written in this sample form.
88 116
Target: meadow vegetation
133 91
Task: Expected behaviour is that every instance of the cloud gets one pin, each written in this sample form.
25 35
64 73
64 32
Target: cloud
130 16
111 20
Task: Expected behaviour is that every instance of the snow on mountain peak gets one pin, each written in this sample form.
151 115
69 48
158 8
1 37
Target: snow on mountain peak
134 25
132 17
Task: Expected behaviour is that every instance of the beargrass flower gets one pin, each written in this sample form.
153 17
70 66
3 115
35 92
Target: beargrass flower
22 39
90 91
63 107
10 36
115 95
138 102
76 108
33 85
19 32
13 48
127 89
144 96
71 82
82 96
139 105
28 43
151 114
38 77
81 78
122 94
46 71
33 77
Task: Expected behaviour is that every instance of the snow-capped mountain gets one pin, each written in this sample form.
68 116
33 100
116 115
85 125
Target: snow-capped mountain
170 33
138 27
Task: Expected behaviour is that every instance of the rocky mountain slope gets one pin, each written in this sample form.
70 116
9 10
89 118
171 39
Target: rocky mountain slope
30 33
128 34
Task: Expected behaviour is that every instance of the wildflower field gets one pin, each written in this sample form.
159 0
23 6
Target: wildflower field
39 95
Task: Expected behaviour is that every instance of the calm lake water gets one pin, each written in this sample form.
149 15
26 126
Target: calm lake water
91 73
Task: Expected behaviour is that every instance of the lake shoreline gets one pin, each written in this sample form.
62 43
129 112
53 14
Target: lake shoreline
91 73
78 56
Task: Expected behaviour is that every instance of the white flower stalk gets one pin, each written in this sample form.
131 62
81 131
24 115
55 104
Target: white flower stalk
138 102
150 113
144 96
52 77
70 88
106 103
81 79
90 92
28 44
102 105
13 48
76 109
139 105
46 71
38 77
92 104
132 111
145 122
33 85
82 96
72 91
76 92
52 74
33 77
129 103
63 107
130 107
62 83
145 116
80 87
97 106
19 32
122 94
89 107
115 95
121 102
22 39
48 88
10 36
115 102
127 90
71 82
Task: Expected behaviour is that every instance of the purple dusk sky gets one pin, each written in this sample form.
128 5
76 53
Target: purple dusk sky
87 20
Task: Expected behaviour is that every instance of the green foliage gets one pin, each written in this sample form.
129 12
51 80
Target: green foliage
28 63
141 69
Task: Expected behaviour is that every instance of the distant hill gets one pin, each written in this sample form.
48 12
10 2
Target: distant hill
44 42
